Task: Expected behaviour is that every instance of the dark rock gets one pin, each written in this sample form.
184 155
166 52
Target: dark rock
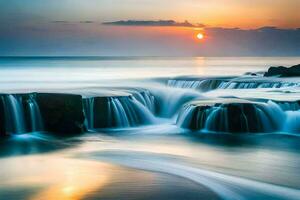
229 115
199 117
2 119
243 118
61 113
239 117
251 74
102 113
98 116
282 71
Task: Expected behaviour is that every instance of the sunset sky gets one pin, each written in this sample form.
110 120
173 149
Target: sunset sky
75 27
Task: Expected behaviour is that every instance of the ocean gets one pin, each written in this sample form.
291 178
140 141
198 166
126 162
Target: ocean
53 72
154 128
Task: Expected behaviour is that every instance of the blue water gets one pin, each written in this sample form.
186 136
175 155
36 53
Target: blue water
159 160
54 72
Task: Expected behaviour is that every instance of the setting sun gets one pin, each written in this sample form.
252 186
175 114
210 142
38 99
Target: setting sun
200 36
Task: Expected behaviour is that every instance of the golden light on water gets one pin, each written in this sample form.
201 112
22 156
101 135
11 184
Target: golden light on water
74 180
60 178
51 177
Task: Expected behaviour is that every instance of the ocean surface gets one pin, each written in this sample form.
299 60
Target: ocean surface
157 156
63 72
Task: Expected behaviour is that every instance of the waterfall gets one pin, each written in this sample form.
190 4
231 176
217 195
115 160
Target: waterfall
292 113
128 112
118 111
203 85
123 111
185 116
184 84
204 118
211 84
233 117
14 114
35 115
169 100
292 122
88 105
289 106
252 85
147 99
220 114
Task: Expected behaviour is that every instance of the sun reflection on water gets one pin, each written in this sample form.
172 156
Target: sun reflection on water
59 178
75 179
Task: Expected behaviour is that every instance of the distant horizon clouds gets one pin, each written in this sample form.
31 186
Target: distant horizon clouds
169 22
154 28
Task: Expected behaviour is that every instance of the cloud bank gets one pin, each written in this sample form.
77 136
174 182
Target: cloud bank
152 23
77 38
72 22
265 41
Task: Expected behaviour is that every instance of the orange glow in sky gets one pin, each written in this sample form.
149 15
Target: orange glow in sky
200 36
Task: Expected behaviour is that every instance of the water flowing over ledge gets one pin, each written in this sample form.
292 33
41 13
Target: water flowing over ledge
132 110
199 104
72 113
20 114
240 116
246 82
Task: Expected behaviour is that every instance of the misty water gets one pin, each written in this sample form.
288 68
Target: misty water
148 145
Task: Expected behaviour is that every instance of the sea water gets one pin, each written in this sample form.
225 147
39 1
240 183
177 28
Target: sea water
159 160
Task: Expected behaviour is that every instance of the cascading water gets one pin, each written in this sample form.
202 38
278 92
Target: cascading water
14 114
203 85
123 111
292 122
169 100
252 85
289 106
147 99
233 117
88 105
128 112
35 115
117 109
211 84
292 113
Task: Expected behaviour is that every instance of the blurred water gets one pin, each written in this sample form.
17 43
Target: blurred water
159 161
63 72
120 165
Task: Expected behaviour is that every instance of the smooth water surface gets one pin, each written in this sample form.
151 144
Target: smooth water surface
158 159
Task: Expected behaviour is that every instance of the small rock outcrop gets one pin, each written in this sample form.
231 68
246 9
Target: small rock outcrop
62 113
2 120
282 71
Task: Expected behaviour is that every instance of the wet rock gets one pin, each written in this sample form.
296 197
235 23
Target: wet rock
2 120
243 118
13 116
251 74
234 116
61 113
97 105
116 112
282 71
